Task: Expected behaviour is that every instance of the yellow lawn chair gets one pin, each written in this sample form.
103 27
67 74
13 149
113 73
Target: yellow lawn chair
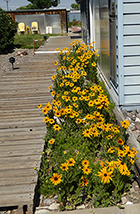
34 27
21 28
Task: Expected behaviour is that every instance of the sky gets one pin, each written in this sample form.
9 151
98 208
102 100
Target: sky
13 4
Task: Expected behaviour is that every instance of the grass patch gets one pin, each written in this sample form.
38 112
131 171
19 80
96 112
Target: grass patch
26 41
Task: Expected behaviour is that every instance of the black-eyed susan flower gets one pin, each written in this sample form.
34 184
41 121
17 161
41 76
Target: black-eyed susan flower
132 161
102 163
78 120
123 169
57 49
121 153
48 106
58 103
127 148
91 103
53 77
111 150
71 85
56 127
87 133
58 114
62 84
66 92
39 106
56 178
53 93
134 150
44 110
105 175
54 102
121 165
112 165
86 170
120 141
125 124
64 167
75 105
51 121
56 63
93 64
46 119
85 163
76 114
51 141
71 162
94 132
74 99
130 154
50 87
84 182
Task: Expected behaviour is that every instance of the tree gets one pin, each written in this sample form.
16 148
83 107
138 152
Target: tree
41 4
75 6
27 7
8 28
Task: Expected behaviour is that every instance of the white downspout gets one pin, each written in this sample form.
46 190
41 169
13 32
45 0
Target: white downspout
91 21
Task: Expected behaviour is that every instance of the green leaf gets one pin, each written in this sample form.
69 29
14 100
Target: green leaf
59 198
78 201
71 189
121 207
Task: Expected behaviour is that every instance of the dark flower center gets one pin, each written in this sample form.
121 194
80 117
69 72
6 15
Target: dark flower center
105 174
55 178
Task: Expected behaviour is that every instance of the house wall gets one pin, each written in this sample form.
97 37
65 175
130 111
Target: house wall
125 68
131 51
128 53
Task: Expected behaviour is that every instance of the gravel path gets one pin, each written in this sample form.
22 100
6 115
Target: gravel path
5 65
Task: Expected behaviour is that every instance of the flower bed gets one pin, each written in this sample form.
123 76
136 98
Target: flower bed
86 156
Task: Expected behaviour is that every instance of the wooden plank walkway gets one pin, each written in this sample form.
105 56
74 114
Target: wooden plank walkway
22 128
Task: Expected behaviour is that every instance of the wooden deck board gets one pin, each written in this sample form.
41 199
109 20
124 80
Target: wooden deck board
21 125
16 199
22 130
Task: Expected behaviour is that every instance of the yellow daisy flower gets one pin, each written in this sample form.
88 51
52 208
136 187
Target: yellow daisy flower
85 163
105 175
86 170
71 162
56 127
51 141
64 167
39 106
56 179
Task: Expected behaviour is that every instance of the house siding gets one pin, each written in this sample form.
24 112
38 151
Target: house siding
131 51
125 76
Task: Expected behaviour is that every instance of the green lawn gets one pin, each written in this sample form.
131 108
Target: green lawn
26 41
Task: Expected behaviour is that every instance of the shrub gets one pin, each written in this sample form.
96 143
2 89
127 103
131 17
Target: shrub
8 29
74 23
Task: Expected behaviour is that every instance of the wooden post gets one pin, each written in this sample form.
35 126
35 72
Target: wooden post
34 46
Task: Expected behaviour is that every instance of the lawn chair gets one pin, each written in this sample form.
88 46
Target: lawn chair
21 28
34 27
